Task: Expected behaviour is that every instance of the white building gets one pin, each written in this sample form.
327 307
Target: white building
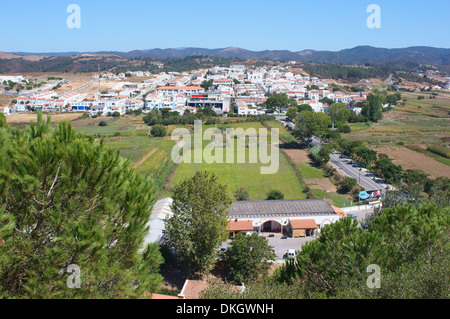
5 110
174 90
291 217
160 212
16 79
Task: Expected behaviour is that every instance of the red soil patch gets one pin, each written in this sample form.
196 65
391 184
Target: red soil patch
409 159
298 156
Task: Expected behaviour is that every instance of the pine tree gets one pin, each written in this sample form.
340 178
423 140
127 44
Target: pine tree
72 202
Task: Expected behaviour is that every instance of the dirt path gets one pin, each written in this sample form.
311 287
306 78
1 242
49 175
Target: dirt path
140 162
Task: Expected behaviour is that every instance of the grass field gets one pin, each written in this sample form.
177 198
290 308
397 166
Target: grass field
334 198
309 171
246 175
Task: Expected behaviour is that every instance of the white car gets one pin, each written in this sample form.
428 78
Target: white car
291 254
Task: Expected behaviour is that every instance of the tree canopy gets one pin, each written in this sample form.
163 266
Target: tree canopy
67 200
309 124
200 218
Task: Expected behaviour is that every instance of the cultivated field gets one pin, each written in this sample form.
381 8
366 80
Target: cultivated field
410 159
405 133
25 118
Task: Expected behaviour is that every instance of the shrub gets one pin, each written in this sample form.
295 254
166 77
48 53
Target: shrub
348 184
159 131
275 194
241 194
345 129
315 153
102 123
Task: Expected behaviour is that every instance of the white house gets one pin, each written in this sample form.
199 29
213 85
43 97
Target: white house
5 110
223 82
174 90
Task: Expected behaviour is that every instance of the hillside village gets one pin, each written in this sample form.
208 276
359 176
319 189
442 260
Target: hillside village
238 89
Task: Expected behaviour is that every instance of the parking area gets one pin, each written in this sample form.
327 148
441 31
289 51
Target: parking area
360 215
282 244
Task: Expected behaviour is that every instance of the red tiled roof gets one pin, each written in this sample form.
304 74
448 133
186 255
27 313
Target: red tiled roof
192 289
240 225
303 224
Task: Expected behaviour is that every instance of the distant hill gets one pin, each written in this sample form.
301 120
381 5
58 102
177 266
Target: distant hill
410 57
357 55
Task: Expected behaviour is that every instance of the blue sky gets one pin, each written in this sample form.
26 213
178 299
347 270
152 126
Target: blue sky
110 25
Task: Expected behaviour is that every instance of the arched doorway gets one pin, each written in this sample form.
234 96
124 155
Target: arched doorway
271 226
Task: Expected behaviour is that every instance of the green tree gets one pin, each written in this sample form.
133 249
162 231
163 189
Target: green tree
338 113
309 124
372 108
304 107
291 113
72 202
247 257
278 101
2 120
397 240
200 218
325 151
159 131
388 170
206 84
348 184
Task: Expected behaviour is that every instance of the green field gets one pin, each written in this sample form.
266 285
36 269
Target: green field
245 175
338 199
309 171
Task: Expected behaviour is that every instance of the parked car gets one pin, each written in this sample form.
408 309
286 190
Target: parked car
291 254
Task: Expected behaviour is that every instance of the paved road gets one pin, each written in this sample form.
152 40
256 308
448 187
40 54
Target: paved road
365 178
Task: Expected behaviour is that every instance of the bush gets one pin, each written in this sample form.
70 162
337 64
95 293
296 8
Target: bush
159 131
345 129
275 195
315 153
102 123
241 194
348 184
